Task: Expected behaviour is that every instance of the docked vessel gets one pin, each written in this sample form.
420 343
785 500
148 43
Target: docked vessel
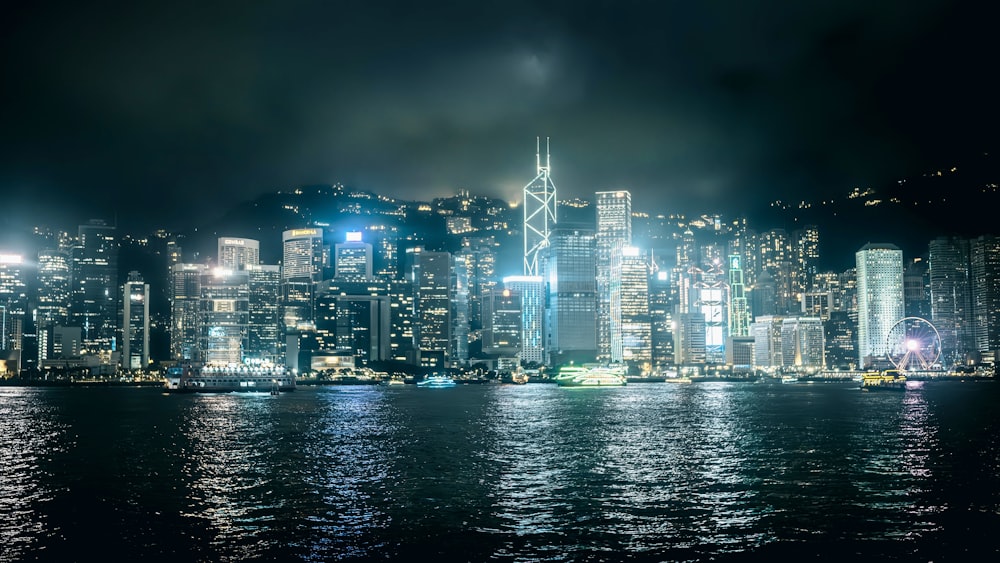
888 380
437 381
591 376
228 378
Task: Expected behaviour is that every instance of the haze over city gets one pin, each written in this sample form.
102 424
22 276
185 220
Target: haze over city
166 114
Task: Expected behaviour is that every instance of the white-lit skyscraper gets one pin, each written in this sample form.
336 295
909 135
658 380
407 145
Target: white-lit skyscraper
532 291
431 277
539 212
301 269
880 299
135 327
353 257
614 232
223 316
237 253
635 328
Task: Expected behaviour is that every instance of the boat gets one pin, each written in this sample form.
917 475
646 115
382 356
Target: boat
789 379
218 378
679 379
437 381
887 380
394 380
591 376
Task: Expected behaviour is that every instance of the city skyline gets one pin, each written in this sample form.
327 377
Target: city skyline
688 107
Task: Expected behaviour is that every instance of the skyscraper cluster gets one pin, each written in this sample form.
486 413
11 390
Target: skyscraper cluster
599 281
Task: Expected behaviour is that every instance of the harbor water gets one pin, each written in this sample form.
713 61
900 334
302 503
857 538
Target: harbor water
705 471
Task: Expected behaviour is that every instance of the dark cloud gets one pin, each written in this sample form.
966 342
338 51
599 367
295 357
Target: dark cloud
173 110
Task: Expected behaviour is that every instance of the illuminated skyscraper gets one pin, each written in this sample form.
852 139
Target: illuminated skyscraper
13 300
353 257
572 296
539 212
301 269
237 253
880 299
224 316
502 322
986 294
614 232
802 343
185 298
662 302
53 296
264 338
431 277
94 302
739 311
532 292
633 302
135 327
951 298
357 315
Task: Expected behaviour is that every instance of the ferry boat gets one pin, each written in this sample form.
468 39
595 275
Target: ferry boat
888 380
591 376
789 379
437 381
228 378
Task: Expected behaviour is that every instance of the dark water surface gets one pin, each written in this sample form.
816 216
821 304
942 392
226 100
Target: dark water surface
646 472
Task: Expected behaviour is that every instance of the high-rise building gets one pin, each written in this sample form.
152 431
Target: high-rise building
532 292
353 257
135 326
802 343
224 316
303 260
614 232
880 300
766 333
94 302
502 322
985 253
572 296
431 278
13 300
739 309
917 289
264 339
951 298
237 253
458 351
633 303
662 305
185 300
840 335
53 296
539 212
778 260
354 314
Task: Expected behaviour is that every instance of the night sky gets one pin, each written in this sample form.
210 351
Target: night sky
131 108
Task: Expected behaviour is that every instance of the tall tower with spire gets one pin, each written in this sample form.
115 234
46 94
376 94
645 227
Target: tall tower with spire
539 211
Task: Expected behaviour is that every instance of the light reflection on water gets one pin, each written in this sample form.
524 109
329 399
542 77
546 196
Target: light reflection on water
532 472
29 432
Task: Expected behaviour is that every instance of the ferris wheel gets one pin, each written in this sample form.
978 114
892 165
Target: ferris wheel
913 344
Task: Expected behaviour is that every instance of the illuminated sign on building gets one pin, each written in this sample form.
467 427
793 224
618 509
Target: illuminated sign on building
353 236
